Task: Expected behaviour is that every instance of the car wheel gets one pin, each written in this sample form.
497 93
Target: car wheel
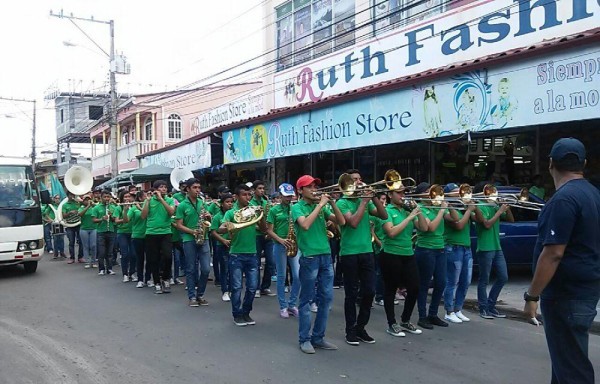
30 266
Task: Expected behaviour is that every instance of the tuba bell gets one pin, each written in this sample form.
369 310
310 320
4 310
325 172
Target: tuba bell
178 175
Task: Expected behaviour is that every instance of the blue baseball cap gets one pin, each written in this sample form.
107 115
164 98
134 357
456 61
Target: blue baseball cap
450 187
567 146
286 189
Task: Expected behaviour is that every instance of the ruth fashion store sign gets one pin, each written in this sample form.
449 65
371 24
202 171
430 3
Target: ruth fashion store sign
191 157
561 87
475 30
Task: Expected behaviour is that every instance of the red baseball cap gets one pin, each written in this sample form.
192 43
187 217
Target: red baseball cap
306 180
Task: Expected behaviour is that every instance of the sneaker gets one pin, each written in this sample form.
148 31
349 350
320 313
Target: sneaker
324 344
257 294
87 266
150 284
62 254
50 251
193 302
140 284
267 292
460 315
307 347
286 289
314 308
178 282
485 315
158 289
494 312
293 311
226 297
364 337
111 272
248 319
395 330
274 278
71 261
126 279
336 287
101 273
202 301
283 313
379 302
352 339
239 321
437 321
410 328
94 265
133 279
396 302
172 281
424 323
166 287
452 318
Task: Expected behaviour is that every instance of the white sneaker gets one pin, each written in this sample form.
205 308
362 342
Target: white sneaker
172 281
87 266
314 308
379 302
111 272
226 297
150 284
50 251
126 279
101 273
133 279
257 294
460 315
452 318
140 284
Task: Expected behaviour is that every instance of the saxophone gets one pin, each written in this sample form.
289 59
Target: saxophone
202 227
292 251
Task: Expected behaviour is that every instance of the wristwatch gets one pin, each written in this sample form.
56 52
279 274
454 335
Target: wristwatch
528 297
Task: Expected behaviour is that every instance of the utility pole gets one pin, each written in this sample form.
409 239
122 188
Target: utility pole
34 127
112 110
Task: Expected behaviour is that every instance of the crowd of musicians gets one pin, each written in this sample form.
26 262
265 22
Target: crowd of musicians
383 249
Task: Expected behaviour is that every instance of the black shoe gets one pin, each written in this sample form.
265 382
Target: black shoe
239 321
248 319
166 286
364 337
352 339
437 321
425 323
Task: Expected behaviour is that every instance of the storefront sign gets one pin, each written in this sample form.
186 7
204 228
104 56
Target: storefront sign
245 107
475 30
561 87
192 156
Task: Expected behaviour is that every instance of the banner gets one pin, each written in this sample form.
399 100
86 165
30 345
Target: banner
561 87
191 157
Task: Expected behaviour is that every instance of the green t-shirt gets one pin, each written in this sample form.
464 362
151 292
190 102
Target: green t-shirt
99 211
158 221
455 237
313 241
188 213
70 206
538 191
213 208
49 212
378 229
279 216
216 223
355 240
431 240
87 220
138 226
243 240
488 239
401 245
179 196
260 203
123 227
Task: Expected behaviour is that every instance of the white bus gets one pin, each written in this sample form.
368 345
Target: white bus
21 226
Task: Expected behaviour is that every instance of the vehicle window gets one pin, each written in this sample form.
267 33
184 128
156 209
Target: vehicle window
522 214
17 189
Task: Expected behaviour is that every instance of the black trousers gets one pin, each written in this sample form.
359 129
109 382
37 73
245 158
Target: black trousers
358 270
398 272
159 256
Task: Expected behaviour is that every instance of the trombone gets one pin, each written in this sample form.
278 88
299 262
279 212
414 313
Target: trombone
520 200
392 181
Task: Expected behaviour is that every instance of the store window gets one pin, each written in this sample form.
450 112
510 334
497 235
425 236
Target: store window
307 29
391 14
174 126
148 129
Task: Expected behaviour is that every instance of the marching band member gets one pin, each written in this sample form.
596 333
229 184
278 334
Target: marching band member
128 262
103 216
398 264
181 194
138 240
87 232
222 245
378 234
242 260
315 261
58 239
356 255
214 208
71 209
157 212
263 243
189 219
278 226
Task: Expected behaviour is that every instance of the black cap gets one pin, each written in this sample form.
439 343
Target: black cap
223 189
567 146
422 187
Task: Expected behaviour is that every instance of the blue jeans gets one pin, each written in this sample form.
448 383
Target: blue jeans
432 264
128 261
178 259
314 270
567 324
106 243
59 244
48 237
73 236
221 256
240 264
487 260
459 272
263 244
88 244
282 262
196 256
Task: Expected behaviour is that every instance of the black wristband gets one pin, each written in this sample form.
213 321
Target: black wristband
528 297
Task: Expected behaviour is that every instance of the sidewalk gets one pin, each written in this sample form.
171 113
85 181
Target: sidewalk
511 301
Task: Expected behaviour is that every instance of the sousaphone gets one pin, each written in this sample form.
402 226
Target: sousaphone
78 181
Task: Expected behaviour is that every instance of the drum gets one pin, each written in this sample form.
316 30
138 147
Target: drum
58 229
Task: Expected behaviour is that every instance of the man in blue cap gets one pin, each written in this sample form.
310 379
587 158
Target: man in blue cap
567 264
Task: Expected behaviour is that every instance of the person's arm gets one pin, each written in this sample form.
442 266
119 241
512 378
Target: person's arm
84 210
394 230
509 216
546 267
170 209
182 228
353 219
379 210
490 223
459 224
422 222
376 240
337 217
305 222
215 234
274 236
95 217
146 209
433 224
223 229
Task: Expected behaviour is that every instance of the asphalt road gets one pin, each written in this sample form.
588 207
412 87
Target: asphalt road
65 324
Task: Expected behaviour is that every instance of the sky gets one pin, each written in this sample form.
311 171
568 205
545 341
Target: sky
169 44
